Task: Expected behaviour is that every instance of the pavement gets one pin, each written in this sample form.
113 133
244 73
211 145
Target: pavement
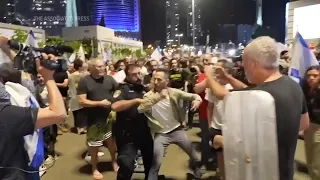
71 166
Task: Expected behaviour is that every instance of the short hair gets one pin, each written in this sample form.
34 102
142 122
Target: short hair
264 50
165 72
129 67
117 64
93 61
227 65
9 74
77 64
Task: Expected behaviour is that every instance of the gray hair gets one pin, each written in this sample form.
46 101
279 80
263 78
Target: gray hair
265 51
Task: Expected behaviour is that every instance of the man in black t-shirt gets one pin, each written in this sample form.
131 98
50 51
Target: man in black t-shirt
95 94
260 60
17 122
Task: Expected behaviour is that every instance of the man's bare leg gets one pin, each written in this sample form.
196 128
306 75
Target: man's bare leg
111 144
218 143
94 161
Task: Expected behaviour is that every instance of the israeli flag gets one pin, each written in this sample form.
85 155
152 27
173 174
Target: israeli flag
32 41
301 59
33 143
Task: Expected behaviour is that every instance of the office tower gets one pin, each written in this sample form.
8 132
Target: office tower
10 11
49 15
123 16
259 12
198 29
71 13
244 33
172 21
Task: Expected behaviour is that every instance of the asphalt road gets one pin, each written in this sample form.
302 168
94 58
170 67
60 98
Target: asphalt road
71 166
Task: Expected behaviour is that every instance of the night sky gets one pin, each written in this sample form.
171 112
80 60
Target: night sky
214 12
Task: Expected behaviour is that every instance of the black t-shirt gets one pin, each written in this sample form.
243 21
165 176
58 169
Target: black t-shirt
97 90
15 122
177 79
59 77
290 104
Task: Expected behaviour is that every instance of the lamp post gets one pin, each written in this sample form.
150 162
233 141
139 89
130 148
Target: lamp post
179 36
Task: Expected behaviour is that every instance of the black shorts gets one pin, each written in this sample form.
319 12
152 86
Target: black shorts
212 133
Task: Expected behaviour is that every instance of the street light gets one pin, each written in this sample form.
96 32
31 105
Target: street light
179 36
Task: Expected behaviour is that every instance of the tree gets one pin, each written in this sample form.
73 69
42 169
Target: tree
20 36
102 22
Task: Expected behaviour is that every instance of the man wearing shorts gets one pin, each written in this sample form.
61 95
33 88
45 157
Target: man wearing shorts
215 114
95 92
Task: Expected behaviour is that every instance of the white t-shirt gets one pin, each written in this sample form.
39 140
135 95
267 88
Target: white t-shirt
217 108
162 112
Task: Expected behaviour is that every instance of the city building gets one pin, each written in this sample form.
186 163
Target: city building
49 15
10 11
123 16
172 21
259 20
179 22
198 28
302 16
244 33
102 34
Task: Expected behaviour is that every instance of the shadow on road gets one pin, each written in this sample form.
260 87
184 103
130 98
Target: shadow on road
102 166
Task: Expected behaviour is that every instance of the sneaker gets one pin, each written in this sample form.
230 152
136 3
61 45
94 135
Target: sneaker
50 160
100 154
42 170
88 157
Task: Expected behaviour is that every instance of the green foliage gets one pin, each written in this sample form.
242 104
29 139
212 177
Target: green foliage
126 52
56 41
74 44
87 46
20 36
138 53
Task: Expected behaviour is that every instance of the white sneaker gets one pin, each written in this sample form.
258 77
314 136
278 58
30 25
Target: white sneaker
42 170
100 154
88 157
50 160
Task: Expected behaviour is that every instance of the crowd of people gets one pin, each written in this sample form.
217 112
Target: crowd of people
153 106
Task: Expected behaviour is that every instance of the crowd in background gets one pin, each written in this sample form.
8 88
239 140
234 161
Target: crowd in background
185 73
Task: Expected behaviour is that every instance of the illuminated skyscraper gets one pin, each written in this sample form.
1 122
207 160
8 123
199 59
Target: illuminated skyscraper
48 15
71 13
172 21
123 16
198 28
259 12
10 11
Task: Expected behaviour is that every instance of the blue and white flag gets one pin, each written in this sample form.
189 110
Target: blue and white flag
33 144
301 59
32 41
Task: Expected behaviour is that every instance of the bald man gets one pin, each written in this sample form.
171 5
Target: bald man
95 93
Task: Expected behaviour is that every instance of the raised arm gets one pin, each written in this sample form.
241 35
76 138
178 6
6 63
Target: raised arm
56 112
6 49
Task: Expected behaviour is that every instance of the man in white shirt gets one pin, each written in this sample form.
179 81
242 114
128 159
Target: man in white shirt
215 114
